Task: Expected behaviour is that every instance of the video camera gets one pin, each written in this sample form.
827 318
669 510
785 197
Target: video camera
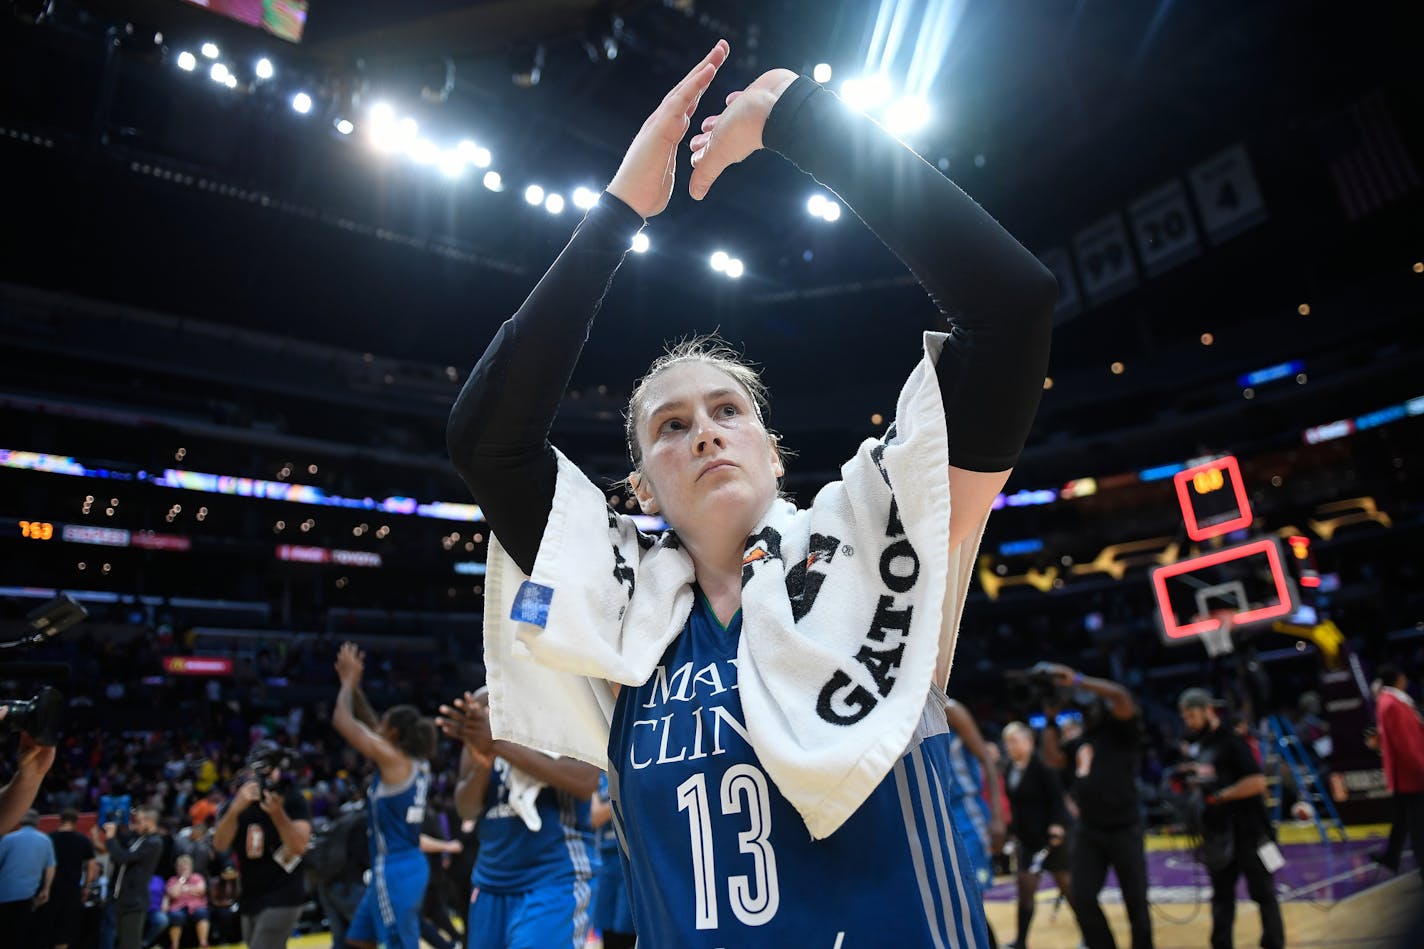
264 756
1036 688
41 715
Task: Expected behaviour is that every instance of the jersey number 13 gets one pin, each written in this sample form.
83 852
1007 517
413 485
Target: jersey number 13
754 899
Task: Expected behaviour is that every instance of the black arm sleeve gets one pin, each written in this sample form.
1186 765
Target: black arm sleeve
998 298
498 432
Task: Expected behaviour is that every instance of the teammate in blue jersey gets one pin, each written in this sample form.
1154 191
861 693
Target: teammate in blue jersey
537 856
716 855
971 769
400 743
612 910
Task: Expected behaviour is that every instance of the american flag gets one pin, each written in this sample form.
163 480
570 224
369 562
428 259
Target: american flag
1368 159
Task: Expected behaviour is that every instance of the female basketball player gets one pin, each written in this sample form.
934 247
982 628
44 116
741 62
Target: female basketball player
401 744
717 856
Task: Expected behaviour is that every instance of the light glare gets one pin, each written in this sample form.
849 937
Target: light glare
584 198
822 73
264 68
534 194
218 73
640 243
210 50
493 181
907 114
816 204
344 126
831 212
719 260
187 61
302 103
735 268
554 204
866 93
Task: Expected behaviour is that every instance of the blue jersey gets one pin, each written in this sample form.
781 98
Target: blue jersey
607 835
964 777
514 859
397 813
716 855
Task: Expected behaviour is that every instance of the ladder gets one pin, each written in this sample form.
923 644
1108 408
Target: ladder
1292 754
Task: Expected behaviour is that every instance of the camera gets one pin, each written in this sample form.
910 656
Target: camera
42 714
265 756
1035 688
114 809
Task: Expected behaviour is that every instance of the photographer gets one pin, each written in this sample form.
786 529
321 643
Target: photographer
133 857
1236 831
1105 761
271 838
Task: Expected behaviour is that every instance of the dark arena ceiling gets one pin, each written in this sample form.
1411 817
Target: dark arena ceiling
133 181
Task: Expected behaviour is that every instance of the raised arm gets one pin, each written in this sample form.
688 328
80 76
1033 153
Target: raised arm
498 431
395 766
997 297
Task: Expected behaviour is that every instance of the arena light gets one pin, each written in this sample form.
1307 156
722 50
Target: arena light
264 68
831 212
554 204
867 92
452 165
424 152
735 268
187 61
383 114
474 154
493 181
534 195
302 103
719 260
230 81
822 73
210 50
344 126
640 243
585 198
816 204
907 114
218 73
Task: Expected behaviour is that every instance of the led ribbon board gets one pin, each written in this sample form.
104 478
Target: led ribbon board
1213 498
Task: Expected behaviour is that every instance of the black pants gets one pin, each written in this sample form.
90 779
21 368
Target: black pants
1259 886
1408 822
128 927
1093 851
17 922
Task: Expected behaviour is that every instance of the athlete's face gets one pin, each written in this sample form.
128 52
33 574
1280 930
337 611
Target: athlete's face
709 465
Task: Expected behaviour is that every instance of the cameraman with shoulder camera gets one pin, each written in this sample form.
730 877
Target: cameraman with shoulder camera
271 839
1236 830
133 858
1104 765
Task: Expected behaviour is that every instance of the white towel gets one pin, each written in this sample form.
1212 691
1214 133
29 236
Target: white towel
850 609
523 794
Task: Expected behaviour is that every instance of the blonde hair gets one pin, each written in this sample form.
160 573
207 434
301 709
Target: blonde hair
1013 728
710 350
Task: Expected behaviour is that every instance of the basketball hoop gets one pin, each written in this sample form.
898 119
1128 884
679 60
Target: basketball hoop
1218 641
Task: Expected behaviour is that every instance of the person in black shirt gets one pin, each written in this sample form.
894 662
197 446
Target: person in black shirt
1103 764
133 857
75 871
1236 828
1039 822
271 839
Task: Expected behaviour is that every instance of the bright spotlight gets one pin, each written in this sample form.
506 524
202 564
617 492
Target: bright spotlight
719 260
831 212
554 204
584 198
816 204
219 72
210 50
187 61
302 103
382 114
424 152
452 165
474 154
344 126
907 114
493 181
866 93
230 81
640 243
534 194
822 73
735 268
264 68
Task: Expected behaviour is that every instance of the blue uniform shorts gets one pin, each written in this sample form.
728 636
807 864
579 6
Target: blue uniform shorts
544 918
389 914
